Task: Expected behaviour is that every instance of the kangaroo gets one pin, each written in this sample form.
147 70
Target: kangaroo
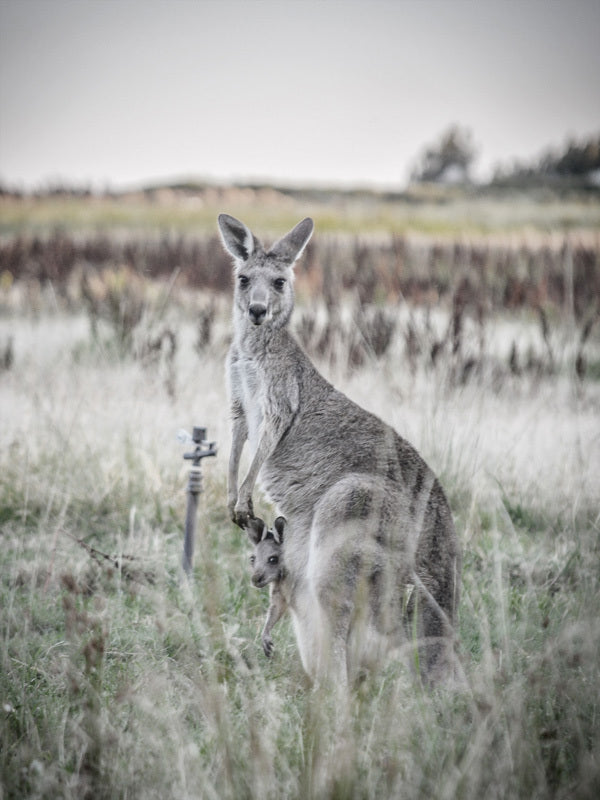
268 569
367 517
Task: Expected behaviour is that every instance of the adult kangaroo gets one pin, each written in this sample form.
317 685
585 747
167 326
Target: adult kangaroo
370 545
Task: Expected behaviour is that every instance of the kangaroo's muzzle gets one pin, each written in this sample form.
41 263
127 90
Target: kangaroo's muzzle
257 313
259 580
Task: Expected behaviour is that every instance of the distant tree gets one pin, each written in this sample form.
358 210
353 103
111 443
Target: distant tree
449 160
578 158
576 164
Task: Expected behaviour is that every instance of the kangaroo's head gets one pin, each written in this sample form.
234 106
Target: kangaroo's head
267 558
264 294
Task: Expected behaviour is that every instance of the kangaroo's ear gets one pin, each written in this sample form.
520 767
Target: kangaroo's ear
279 525
237 238
290 247
255 530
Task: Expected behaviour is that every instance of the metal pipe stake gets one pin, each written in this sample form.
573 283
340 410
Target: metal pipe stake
202 449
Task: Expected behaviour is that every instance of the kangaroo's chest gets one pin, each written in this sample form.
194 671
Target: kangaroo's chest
252 396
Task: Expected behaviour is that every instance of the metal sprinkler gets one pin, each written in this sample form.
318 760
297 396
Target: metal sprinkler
202 449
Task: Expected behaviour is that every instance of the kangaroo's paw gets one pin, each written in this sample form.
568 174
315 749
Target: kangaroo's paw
243 513
267 644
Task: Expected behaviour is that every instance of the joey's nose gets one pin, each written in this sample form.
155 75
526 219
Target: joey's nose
258 579
257 312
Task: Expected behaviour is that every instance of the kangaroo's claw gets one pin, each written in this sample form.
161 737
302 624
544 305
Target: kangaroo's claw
267 644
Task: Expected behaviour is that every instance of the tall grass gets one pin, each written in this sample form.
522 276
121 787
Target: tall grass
117 679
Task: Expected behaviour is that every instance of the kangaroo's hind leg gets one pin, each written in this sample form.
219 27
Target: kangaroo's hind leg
436 574
336 616
435 639
344 605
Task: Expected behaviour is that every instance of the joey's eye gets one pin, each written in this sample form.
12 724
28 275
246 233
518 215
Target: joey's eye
273 560
252 560
279 283
244 280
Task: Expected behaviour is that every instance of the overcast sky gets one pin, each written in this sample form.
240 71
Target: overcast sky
121 92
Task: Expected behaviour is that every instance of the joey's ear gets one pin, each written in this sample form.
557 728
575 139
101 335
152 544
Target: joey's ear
290 247
255 530
237 238
279 525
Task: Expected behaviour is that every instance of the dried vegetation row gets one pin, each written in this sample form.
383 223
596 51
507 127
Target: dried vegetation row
513 274
361 295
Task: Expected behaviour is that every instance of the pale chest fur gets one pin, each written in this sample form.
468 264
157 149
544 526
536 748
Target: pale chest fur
266 385
248 389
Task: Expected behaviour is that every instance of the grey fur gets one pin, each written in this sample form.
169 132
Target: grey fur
367 517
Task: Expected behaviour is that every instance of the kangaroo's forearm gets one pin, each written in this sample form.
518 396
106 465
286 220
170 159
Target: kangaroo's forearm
237 445
274 425
242 509
239 436
277 607
266 445
276 611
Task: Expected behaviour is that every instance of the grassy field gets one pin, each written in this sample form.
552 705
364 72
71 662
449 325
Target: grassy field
117 679
120 680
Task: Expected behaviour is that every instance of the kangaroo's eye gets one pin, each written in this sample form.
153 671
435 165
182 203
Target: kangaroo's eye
244 280
252 560
279 283
273 560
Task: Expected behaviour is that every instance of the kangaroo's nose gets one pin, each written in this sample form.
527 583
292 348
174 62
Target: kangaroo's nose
258 579
257 312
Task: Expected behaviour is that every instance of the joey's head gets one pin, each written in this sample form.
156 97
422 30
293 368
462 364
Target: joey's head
264 279
266 559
